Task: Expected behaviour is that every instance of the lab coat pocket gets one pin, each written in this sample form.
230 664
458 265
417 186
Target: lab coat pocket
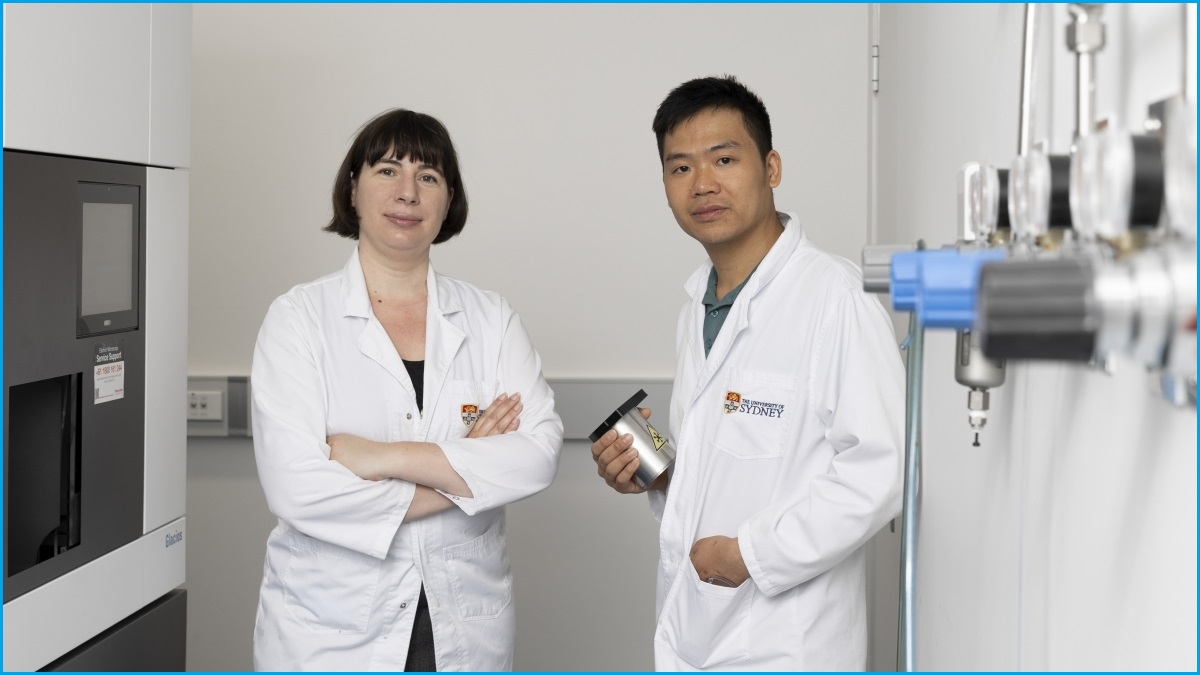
707 625
757 413
480 575
328 588
463 402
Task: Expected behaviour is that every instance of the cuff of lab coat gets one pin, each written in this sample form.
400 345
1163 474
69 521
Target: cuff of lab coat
469 505
750 559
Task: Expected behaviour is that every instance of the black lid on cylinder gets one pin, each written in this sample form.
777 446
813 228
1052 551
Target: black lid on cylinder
612 419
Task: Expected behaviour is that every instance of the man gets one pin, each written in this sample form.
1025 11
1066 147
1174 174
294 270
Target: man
786 414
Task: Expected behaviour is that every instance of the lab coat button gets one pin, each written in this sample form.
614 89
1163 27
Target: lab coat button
408 417
403 605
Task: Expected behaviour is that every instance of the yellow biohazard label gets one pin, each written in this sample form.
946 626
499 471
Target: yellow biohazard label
659 441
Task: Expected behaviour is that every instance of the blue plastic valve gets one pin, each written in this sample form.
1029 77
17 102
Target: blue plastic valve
948 288
939 285
906 274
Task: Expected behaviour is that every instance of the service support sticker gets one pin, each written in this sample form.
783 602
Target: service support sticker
109 371
470 413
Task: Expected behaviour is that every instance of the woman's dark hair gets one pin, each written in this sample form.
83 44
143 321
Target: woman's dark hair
399 134
714 93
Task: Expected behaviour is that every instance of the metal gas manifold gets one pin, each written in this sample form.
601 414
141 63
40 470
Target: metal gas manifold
1126 282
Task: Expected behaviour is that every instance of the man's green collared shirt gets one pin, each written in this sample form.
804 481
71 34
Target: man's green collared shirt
716 310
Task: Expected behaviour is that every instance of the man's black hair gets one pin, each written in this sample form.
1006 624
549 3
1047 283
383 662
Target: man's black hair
714 93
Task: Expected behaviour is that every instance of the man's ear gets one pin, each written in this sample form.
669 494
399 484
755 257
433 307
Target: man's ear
774 169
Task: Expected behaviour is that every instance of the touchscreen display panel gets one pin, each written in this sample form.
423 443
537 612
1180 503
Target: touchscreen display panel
108 265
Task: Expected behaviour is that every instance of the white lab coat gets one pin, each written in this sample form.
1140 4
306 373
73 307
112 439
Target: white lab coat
342 573
803 472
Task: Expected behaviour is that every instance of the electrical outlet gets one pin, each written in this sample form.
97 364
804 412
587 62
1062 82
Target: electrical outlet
205 405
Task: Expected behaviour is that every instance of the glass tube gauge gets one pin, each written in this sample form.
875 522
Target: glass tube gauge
1029 195
1179 158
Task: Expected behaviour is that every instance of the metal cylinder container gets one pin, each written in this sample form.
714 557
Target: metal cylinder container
655 454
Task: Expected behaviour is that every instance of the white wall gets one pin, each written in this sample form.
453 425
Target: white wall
550 107
1068 540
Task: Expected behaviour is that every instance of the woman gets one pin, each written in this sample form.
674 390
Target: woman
396 412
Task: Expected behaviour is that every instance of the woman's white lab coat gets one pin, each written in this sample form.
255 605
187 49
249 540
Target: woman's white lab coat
789 438
342 573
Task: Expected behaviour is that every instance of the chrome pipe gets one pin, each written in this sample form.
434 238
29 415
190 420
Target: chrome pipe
1085 37
1028 47
1085 94
914 364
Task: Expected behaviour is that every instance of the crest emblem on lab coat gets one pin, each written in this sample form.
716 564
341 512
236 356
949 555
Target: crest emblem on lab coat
470 413
733 401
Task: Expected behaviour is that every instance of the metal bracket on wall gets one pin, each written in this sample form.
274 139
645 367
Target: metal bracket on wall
233 419
582 403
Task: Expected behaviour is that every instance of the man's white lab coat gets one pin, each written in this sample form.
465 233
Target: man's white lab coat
789 437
